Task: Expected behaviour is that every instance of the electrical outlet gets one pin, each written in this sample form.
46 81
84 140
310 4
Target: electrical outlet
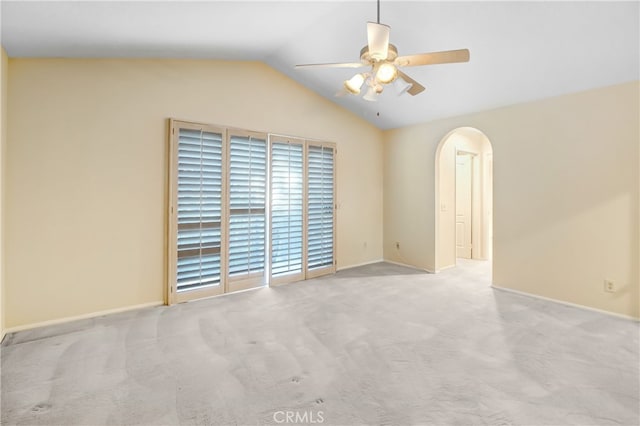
609 286
397 245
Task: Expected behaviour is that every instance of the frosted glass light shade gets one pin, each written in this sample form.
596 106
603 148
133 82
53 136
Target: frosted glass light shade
386 73
354 84
371 95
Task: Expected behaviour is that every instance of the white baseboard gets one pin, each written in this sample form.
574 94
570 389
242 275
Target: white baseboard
445 268
342 268
79 317
562 302
408 266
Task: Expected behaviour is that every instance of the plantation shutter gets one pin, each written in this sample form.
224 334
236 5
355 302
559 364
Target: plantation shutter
287 207
247 194
321 203
218 200
199 209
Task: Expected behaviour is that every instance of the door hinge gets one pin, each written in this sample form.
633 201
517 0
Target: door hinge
171 289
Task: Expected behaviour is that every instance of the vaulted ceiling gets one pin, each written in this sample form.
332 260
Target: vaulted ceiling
520 51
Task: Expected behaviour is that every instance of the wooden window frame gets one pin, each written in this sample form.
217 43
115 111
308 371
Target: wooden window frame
317 272
256 279
173 296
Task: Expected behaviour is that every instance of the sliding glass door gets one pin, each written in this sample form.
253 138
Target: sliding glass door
321 205
197 234
247 214
246 210
218 216
287 209
302 209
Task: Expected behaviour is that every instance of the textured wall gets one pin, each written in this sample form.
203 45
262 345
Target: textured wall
565 195
88 168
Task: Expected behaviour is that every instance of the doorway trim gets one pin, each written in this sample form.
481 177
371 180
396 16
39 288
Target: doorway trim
442 207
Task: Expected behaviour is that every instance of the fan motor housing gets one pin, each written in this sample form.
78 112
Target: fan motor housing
392 54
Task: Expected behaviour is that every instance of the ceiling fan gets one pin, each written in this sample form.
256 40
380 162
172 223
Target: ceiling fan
384 62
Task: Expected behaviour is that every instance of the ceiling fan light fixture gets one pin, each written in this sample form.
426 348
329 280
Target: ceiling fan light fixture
373 92
386 73
378 40
383 63
371 95
354 84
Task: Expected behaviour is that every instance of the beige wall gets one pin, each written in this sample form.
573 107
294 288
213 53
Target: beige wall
566 190
85 171
409 201
4 73
87 150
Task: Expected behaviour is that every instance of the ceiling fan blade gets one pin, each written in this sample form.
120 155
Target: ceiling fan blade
378 40
333 65
445 57
415 86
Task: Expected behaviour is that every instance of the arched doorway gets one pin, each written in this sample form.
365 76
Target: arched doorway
464 197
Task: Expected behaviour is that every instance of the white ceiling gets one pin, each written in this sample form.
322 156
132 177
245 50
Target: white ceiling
520 51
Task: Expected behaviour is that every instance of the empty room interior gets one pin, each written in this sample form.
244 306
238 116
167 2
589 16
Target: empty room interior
320 212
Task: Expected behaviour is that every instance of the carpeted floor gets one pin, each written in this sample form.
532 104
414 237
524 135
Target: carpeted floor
379 344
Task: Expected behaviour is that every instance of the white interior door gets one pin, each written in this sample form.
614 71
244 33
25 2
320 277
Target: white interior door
464 175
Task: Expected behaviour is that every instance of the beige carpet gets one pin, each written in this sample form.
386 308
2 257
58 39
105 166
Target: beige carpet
379 344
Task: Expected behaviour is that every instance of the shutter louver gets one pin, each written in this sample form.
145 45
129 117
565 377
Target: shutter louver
199 208
320 192
287 175
247 189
